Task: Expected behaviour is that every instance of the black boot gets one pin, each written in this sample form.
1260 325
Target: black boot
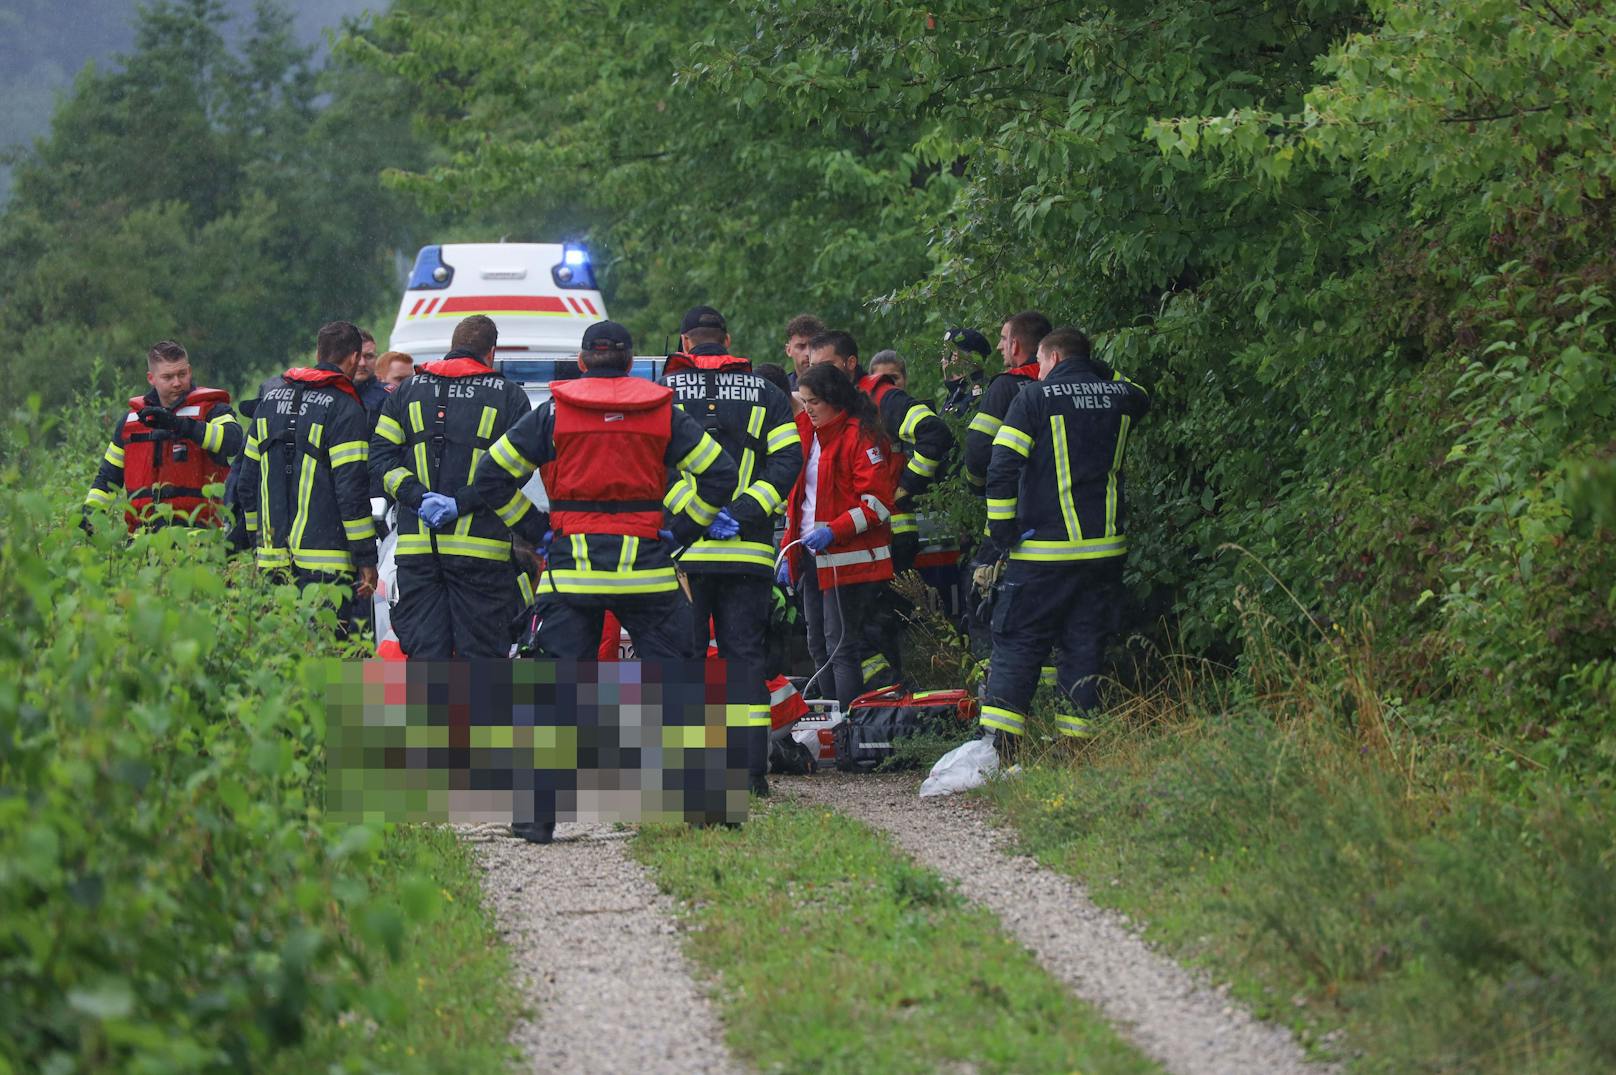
534 832
757 761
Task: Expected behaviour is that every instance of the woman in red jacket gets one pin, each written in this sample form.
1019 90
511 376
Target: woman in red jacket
837 530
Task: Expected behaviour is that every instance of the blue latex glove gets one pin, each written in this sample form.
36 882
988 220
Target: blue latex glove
438 510
544 544
782 574
669 540
818 539
1024 537
724 526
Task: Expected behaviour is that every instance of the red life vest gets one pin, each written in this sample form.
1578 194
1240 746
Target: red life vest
160 468
1029 371
877 386
726 363
608 477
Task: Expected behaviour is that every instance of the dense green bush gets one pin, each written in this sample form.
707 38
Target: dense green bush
170 899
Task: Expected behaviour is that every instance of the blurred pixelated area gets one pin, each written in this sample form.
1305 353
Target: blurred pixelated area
534 740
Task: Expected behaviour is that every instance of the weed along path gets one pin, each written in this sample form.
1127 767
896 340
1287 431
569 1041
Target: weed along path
1180 1023
594 944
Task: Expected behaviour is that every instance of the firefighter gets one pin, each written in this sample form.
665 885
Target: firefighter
731 569
458 592
304 484
1055 503
921 443
172 449
604 444
1018 343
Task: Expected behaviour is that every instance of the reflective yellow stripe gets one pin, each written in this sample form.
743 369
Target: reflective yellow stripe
757 716
415 417
702 456
699 510
1111 479
485 425
1092 549
390 430
305 488
782 436
917 414
524 586
580 552
476 547
1046 676
114 455
918 463
1001 507
985 424
628 554
353 451
1076 727
686 736
678 495
1013 438
754 431
359 529
513 510
509 459
98 497
650 580
253 451
252 520
213 432
422 473
269 557
905 524
768 498
1063 479
316 434
873 666
393 479
734 551
1002 719
321 559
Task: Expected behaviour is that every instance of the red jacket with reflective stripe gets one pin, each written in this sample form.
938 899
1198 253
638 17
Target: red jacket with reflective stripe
153 475
608 475
853 497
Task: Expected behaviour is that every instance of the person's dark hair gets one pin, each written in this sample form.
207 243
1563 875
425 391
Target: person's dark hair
843 342
1068 341
164 351
889 357
608 358
364 334
804 325
830 384
477 334
1028 328
703 335
775 375
337 340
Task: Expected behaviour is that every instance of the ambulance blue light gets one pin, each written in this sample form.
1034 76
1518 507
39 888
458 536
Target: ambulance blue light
431 273
576 255
575 271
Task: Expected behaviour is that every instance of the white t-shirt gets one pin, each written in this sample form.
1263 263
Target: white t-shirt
810 488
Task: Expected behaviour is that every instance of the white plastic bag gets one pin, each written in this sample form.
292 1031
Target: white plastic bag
962 768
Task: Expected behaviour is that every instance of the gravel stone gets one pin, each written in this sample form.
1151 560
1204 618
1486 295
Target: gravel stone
1173 1017
595 945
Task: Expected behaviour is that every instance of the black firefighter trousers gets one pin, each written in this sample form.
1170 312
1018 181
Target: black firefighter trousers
1072 605
455 606
733 608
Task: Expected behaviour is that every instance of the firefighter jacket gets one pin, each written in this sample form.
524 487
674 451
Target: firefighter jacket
184 468
1057 465
961 394
920 437
853 496
431 433
603 445
305 485
995 404
751 420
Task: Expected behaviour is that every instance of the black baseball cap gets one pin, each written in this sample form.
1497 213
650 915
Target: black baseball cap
607 336
703 317
968 339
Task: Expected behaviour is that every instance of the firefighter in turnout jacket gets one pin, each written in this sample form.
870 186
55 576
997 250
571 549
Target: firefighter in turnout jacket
172 449
1055 503
458 589
305 484
730 569
603 445
921 443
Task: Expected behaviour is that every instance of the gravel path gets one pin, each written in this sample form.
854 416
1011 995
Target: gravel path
1178 1021
596 945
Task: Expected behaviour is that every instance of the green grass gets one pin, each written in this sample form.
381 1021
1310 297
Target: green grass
1435 928
446 995
832 952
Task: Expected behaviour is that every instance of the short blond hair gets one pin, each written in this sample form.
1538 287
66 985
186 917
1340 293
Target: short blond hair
383 362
